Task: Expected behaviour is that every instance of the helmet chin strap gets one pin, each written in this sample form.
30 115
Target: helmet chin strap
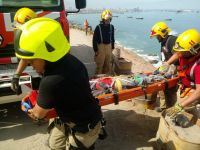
194 50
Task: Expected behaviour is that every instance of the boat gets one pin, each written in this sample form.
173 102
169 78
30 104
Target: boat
169 19
140 18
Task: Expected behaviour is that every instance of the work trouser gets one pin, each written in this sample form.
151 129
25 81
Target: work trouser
103 59
167 98
62 138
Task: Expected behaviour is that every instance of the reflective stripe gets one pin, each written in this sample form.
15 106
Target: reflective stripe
14 60
8 22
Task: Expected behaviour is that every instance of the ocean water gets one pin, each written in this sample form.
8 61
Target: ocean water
134 33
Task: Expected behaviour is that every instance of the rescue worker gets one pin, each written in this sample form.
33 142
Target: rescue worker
161 31
64 85
86 25
21 16
188 46
104 43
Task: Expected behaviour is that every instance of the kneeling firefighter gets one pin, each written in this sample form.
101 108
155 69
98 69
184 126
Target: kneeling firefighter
64 85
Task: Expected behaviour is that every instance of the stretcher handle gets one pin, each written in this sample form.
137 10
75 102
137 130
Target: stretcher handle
6 82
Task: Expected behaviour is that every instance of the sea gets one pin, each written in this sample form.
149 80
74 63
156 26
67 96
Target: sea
132 29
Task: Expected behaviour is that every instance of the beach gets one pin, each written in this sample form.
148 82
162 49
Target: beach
138 63
129 124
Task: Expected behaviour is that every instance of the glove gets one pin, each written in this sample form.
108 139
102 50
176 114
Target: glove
173 111
15 84
156 72
171 71
181 120
26 104
163 68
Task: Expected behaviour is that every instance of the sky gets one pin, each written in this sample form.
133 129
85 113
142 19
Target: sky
142 4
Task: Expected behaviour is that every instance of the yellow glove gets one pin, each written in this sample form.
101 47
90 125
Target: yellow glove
163 68
173 111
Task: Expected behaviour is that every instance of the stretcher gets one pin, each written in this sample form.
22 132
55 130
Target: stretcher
126 94
113 97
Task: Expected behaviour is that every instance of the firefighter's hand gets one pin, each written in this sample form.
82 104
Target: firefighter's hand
171 71
15 84
173 111
26 105
163 68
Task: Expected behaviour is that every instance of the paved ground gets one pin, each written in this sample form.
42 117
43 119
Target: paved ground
129 125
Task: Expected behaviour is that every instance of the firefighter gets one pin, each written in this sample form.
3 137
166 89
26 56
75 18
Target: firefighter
188 46
64 85
86 25
22 15
103 43
161 31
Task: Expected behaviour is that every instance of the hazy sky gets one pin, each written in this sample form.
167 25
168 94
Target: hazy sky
143 4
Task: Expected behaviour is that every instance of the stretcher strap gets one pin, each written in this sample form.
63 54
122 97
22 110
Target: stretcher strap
116 97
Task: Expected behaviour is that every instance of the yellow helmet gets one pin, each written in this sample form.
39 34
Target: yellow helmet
106 15
41 38
160 28
23 15
188 41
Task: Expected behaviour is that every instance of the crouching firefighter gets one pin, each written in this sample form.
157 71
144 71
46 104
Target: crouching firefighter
188 45
64 86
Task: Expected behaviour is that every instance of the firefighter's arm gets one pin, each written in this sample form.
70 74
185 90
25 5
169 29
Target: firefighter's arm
173 58
179 107
21 66
38 112
194 97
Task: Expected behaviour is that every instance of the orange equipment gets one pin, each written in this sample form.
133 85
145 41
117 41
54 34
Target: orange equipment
30 101
116 96
137 91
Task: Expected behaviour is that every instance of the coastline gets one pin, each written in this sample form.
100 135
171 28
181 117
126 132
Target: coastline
139 64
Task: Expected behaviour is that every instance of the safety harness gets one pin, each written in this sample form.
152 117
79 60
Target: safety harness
82 127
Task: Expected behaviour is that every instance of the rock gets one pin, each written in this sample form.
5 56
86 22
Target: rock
153 61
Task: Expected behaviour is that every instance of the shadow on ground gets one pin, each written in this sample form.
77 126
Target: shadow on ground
16 124
128 130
